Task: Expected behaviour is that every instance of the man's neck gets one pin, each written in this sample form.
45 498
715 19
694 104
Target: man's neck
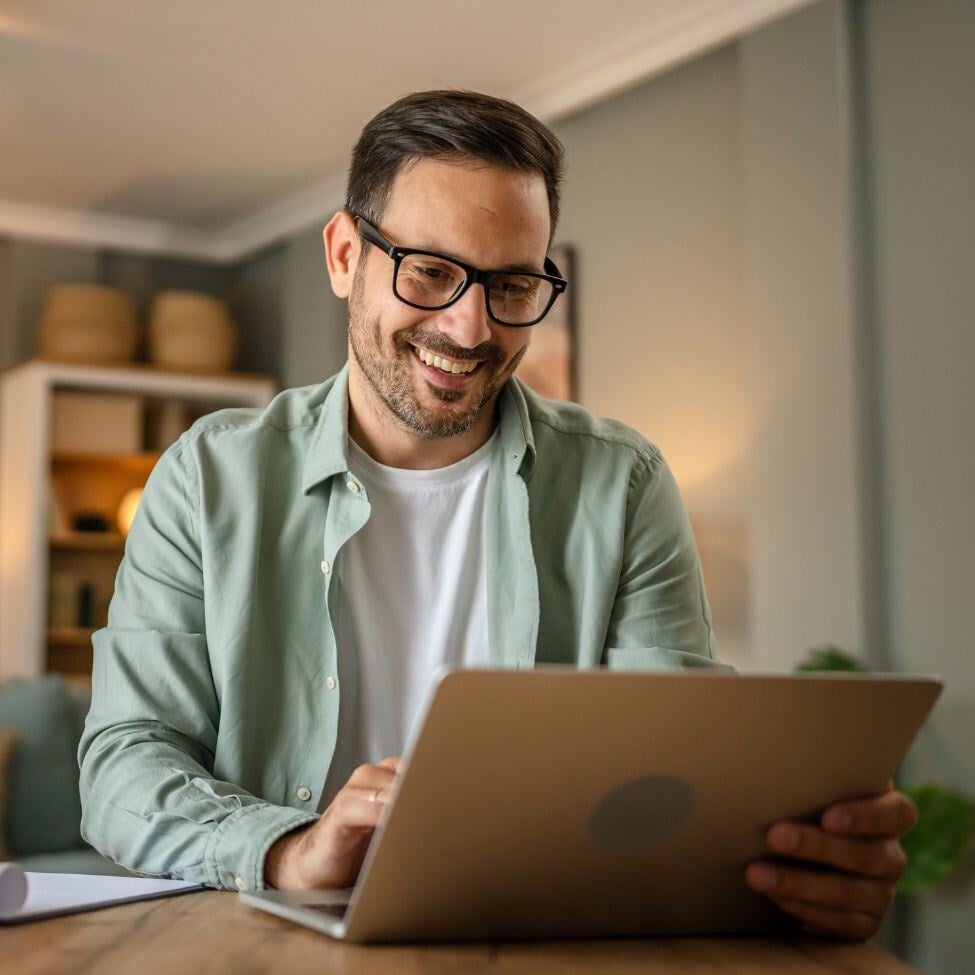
389 441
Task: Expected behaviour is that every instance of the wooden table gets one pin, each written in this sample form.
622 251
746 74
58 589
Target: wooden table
213 932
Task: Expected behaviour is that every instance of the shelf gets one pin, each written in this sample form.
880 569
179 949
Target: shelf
43 490
141 463
150 368
68 637
88 541
143 379
75 661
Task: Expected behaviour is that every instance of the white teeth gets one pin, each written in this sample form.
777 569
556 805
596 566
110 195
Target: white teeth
444 364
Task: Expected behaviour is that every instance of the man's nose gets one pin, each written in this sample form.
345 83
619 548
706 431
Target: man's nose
465 322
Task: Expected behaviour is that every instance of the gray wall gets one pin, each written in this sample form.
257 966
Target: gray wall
920 75
255 297
797 195
652 206
314 333
283 299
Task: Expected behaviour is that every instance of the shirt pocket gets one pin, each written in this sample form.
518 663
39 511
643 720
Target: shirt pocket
661 658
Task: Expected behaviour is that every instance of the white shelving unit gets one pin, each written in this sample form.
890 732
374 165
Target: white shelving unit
27 461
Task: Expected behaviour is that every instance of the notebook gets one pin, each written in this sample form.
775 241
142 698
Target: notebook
27 896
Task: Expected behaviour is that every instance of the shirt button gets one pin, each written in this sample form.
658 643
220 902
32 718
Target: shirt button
352 486
304 793
239 883
330 682
326 568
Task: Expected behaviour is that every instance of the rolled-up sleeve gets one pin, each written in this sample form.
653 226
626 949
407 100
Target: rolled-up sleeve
149 798
660 619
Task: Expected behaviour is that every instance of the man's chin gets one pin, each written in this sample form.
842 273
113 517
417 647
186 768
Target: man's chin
447 412
438 393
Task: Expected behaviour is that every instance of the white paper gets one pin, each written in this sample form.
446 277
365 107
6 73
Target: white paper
27 895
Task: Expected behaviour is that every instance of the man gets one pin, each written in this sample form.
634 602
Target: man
295 575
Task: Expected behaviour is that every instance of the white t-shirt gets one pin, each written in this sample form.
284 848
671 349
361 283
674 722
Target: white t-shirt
413 597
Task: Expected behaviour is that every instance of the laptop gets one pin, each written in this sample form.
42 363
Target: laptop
566 803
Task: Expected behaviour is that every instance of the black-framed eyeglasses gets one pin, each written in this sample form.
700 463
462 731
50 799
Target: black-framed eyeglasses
424 279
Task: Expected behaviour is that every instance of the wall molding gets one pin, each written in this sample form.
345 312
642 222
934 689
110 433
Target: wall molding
571 89
84 228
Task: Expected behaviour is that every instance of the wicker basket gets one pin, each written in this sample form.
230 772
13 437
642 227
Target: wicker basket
190 331
88 323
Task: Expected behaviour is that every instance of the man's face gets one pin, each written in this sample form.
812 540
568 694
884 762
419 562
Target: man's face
485 216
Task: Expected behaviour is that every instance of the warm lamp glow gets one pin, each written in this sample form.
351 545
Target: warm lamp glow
127 509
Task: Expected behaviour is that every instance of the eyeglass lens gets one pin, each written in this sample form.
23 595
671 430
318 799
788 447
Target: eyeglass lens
433 282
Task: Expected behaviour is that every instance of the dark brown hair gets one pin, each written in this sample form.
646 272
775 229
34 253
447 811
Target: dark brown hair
449 124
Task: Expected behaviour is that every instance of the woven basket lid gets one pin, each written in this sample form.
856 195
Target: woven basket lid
178 309
87 303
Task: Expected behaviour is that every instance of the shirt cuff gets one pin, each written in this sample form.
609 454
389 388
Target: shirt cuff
236 851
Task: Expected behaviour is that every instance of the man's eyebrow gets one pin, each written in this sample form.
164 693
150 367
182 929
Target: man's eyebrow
528 268
525 268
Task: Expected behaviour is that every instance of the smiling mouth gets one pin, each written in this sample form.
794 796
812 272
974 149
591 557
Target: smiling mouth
449 367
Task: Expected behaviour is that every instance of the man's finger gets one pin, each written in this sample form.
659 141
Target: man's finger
822 921
352 809
827 889
372 776
883 858
376 796
890 814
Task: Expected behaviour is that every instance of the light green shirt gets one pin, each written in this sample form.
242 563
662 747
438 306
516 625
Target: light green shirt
217 682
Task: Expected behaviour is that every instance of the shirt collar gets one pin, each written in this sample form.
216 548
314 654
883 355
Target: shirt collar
516 429
328 452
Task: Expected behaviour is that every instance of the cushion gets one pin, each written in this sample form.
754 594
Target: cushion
43 804
8 739
80 700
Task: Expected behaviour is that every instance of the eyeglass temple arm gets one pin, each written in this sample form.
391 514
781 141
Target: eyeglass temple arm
371 234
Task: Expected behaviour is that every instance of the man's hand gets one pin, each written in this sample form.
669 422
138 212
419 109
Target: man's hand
327 854
858 840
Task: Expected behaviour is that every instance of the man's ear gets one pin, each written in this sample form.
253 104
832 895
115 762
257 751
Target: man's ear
342 252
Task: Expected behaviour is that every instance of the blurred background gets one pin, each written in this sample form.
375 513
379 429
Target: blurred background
770 222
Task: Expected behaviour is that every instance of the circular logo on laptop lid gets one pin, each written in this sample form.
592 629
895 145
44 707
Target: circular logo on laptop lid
640 813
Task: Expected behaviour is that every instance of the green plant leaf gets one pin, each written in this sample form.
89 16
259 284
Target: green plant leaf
942 836
829 657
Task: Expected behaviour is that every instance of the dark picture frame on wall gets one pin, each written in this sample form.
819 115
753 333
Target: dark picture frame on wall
549 366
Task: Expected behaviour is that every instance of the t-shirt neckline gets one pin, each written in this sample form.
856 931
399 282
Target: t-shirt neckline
370 469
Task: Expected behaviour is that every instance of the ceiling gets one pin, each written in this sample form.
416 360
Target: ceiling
212 128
